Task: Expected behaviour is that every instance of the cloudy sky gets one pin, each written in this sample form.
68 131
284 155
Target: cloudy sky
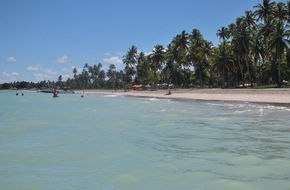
42 39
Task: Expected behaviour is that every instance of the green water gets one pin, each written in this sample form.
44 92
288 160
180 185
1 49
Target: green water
124 143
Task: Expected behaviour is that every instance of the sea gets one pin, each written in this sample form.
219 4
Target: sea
111 142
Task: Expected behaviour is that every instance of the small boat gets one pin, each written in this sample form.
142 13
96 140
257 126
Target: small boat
45 90
65 90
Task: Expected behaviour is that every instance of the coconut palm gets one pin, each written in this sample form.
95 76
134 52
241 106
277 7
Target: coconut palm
181 44
111 74
130 61
199 51
144 70
280 11
177 56
242 42
157 58
182 41
278 43
288 11
223 61
172 66
265 10
249 19
258 53
223 33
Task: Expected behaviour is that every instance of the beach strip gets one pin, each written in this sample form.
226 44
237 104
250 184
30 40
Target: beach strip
271 96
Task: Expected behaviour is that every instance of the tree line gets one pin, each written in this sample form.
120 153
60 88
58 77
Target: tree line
252 51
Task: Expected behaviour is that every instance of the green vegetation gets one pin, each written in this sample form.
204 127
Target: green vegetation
253 51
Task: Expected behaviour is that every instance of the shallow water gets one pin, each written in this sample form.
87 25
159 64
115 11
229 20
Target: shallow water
126 143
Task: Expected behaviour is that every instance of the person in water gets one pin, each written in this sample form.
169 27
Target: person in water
55 93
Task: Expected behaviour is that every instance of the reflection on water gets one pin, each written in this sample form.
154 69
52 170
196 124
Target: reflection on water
114 142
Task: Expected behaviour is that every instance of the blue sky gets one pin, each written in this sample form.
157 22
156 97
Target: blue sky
42 39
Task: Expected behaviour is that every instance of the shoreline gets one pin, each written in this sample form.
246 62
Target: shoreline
262 96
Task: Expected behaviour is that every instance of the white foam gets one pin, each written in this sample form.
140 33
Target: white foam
111 95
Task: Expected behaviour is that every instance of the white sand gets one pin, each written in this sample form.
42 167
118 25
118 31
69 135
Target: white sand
272 96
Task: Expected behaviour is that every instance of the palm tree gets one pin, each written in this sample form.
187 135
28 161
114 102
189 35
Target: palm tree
249 19
75 71
288 11
111 74
258 53
223 33
265 11
206 52
144 70
199 51
158 59
176 57
130 61
181 43
59 80
172 68
223 61
280 11
279 42
242 41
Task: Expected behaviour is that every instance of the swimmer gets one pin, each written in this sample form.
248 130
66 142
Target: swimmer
55 94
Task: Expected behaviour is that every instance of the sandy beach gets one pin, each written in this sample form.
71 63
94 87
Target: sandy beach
271 96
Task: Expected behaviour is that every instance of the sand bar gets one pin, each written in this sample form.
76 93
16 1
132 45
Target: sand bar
271 96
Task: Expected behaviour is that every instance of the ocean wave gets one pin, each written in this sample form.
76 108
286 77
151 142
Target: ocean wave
111 95
154 99
249 106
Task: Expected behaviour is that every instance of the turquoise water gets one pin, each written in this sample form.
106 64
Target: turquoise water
124 143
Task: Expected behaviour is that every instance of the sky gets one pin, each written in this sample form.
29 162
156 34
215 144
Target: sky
43 39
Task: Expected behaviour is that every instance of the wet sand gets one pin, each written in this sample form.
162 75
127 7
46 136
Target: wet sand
271 96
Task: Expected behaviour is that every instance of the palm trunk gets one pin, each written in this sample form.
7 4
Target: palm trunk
250 76
223 80
200 77
279 73
241 69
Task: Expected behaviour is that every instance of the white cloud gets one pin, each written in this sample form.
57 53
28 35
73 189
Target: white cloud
32 68
62 59
44 74
11 59
9 76
6 74
113 60
15 74
41 76
41 73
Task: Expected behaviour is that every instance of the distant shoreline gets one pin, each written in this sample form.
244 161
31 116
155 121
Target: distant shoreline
270 96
